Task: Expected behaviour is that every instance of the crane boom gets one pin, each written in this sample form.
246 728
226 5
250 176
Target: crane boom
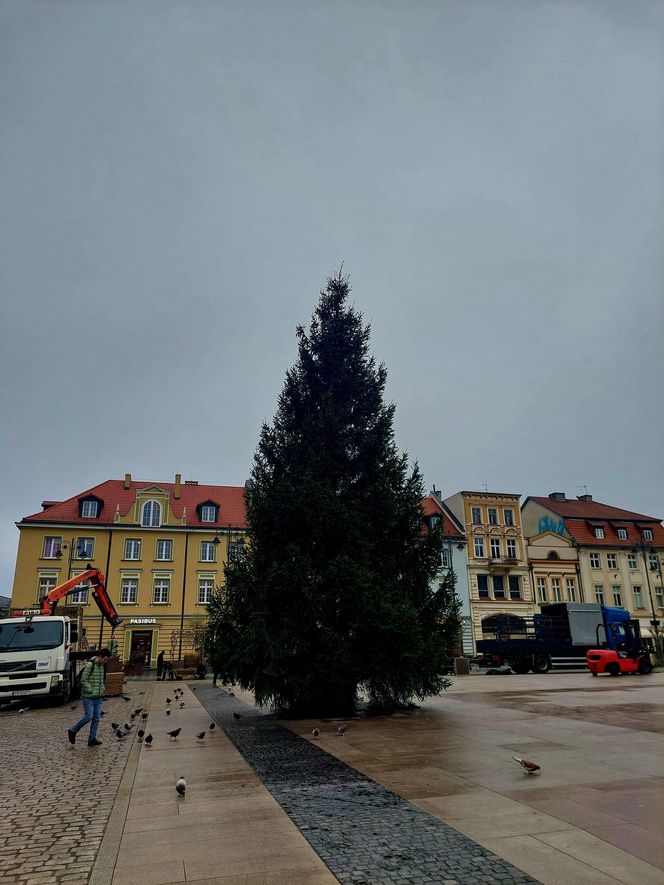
99 594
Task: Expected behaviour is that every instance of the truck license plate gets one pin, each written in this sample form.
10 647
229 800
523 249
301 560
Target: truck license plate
15 694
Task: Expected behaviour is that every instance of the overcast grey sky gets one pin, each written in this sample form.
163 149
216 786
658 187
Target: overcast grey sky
178 179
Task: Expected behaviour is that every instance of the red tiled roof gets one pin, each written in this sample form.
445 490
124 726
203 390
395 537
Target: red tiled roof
432 507
583 533
231 501
589 510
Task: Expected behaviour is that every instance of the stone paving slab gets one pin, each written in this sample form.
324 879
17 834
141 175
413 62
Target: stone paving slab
364 832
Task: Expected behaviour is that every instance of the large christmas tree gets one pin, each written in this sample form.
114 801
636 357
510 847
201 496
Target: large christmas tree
334 593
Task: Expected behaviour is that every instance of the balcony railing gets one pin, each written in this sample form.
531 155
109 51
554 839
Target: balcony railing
502 561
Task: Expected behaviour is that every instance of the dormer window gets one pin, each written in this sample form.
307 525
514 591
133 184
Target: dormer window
208 511
89 508
622 534
434 522
552 555
599 532
647 534
151 515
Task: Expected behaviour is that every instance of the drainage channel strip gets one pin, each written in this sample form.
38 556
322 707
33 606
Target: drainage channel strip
363 832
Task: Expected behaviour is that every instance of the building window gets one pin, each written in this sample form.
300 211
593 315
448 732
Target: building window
207 551
479 546
511 548
498 587
638 597
599 594
205 587
46 584
161 588
84 548
79 595
622 534
631 561
129 591
541 590
151 515
659 597
51 547
445 558
612 560
495 548
654 562
556 595
493 516
595 561
164 550
208 513
132 548
515 586
617 595
508 515
476 515
571 590
647 534
599 532
89 509
483 586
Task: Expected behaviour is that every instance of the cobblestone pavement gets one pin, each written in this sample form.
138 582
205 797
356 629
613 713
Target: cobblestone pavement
57 798
363 832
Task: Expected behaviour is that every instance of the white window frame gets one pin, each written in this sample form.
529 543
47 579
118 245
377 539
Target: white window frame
445 558
160 584
158 553
126 591
151 514
208 513
622 534
45 584
51 546
492 515
478 546
205 597
570 587
637 592
632 563
511 548
556 590
89 509
616 590
542 590
495 548
647 534
209 547
128 541
595 560
599 593
612 561
599 532
473 512
653 562
659 597
508 515
89 544
80 595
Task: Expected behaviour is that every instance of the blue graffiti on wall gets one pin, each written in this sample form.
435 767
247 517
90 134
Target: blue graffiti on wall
549 524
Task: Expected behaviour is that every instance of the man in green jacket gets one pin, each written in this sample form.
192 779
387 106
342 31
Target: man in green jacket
93 686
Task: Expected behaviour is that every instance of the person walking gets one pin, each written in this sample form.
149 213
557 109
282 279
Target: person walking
93 686
160 664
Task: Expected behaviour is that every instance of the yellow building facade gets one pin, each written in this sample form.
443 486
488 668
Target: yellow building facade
161 546
498 575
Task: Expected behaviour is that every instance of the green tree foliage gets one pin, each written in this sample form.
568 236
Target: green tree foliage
334 592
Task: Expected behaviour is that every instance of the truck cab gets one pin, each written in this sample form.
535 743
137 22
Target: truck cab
36 657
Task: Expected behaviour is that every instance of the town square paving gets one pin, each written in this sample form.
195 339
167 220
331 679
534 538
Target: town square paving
428 795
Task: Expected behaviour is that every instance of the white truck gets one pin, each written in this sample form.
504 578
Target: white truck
38 654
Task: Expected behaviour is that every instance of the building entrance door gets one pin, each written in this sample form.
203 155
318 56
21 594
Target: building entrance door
141 650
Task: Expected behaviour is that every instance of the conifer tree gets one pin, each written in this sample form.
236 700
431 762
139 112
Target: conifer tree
334 592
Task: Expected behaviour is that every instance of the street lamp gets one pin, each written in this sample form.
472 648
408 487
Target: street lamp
647 550
77 544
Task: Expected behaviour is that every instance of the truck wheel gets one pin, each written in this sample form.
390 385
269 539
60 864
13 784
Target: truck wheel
541 664
613 669
645 666
520 665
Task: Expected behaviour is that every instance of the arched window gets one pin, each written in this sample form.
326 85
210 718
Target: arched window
151 514
552 555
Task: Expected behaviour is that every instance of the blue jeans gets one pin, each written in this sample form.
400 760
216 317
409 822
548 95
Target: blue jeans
92 708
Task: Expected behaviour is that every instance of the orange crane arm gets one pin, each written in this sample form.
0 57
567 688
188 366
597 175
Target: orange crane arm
99 594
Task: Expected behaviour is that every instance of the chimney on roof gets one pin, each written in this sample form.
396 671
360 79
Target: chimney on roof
586 498
557 496
176 490
127 482
437 494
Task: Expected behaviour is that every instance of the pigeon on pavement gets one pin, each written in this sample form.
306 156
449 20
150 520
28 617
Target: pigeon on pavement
181 786
201 735
316 732
174 734
213 725
528 766
341 729
148 740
